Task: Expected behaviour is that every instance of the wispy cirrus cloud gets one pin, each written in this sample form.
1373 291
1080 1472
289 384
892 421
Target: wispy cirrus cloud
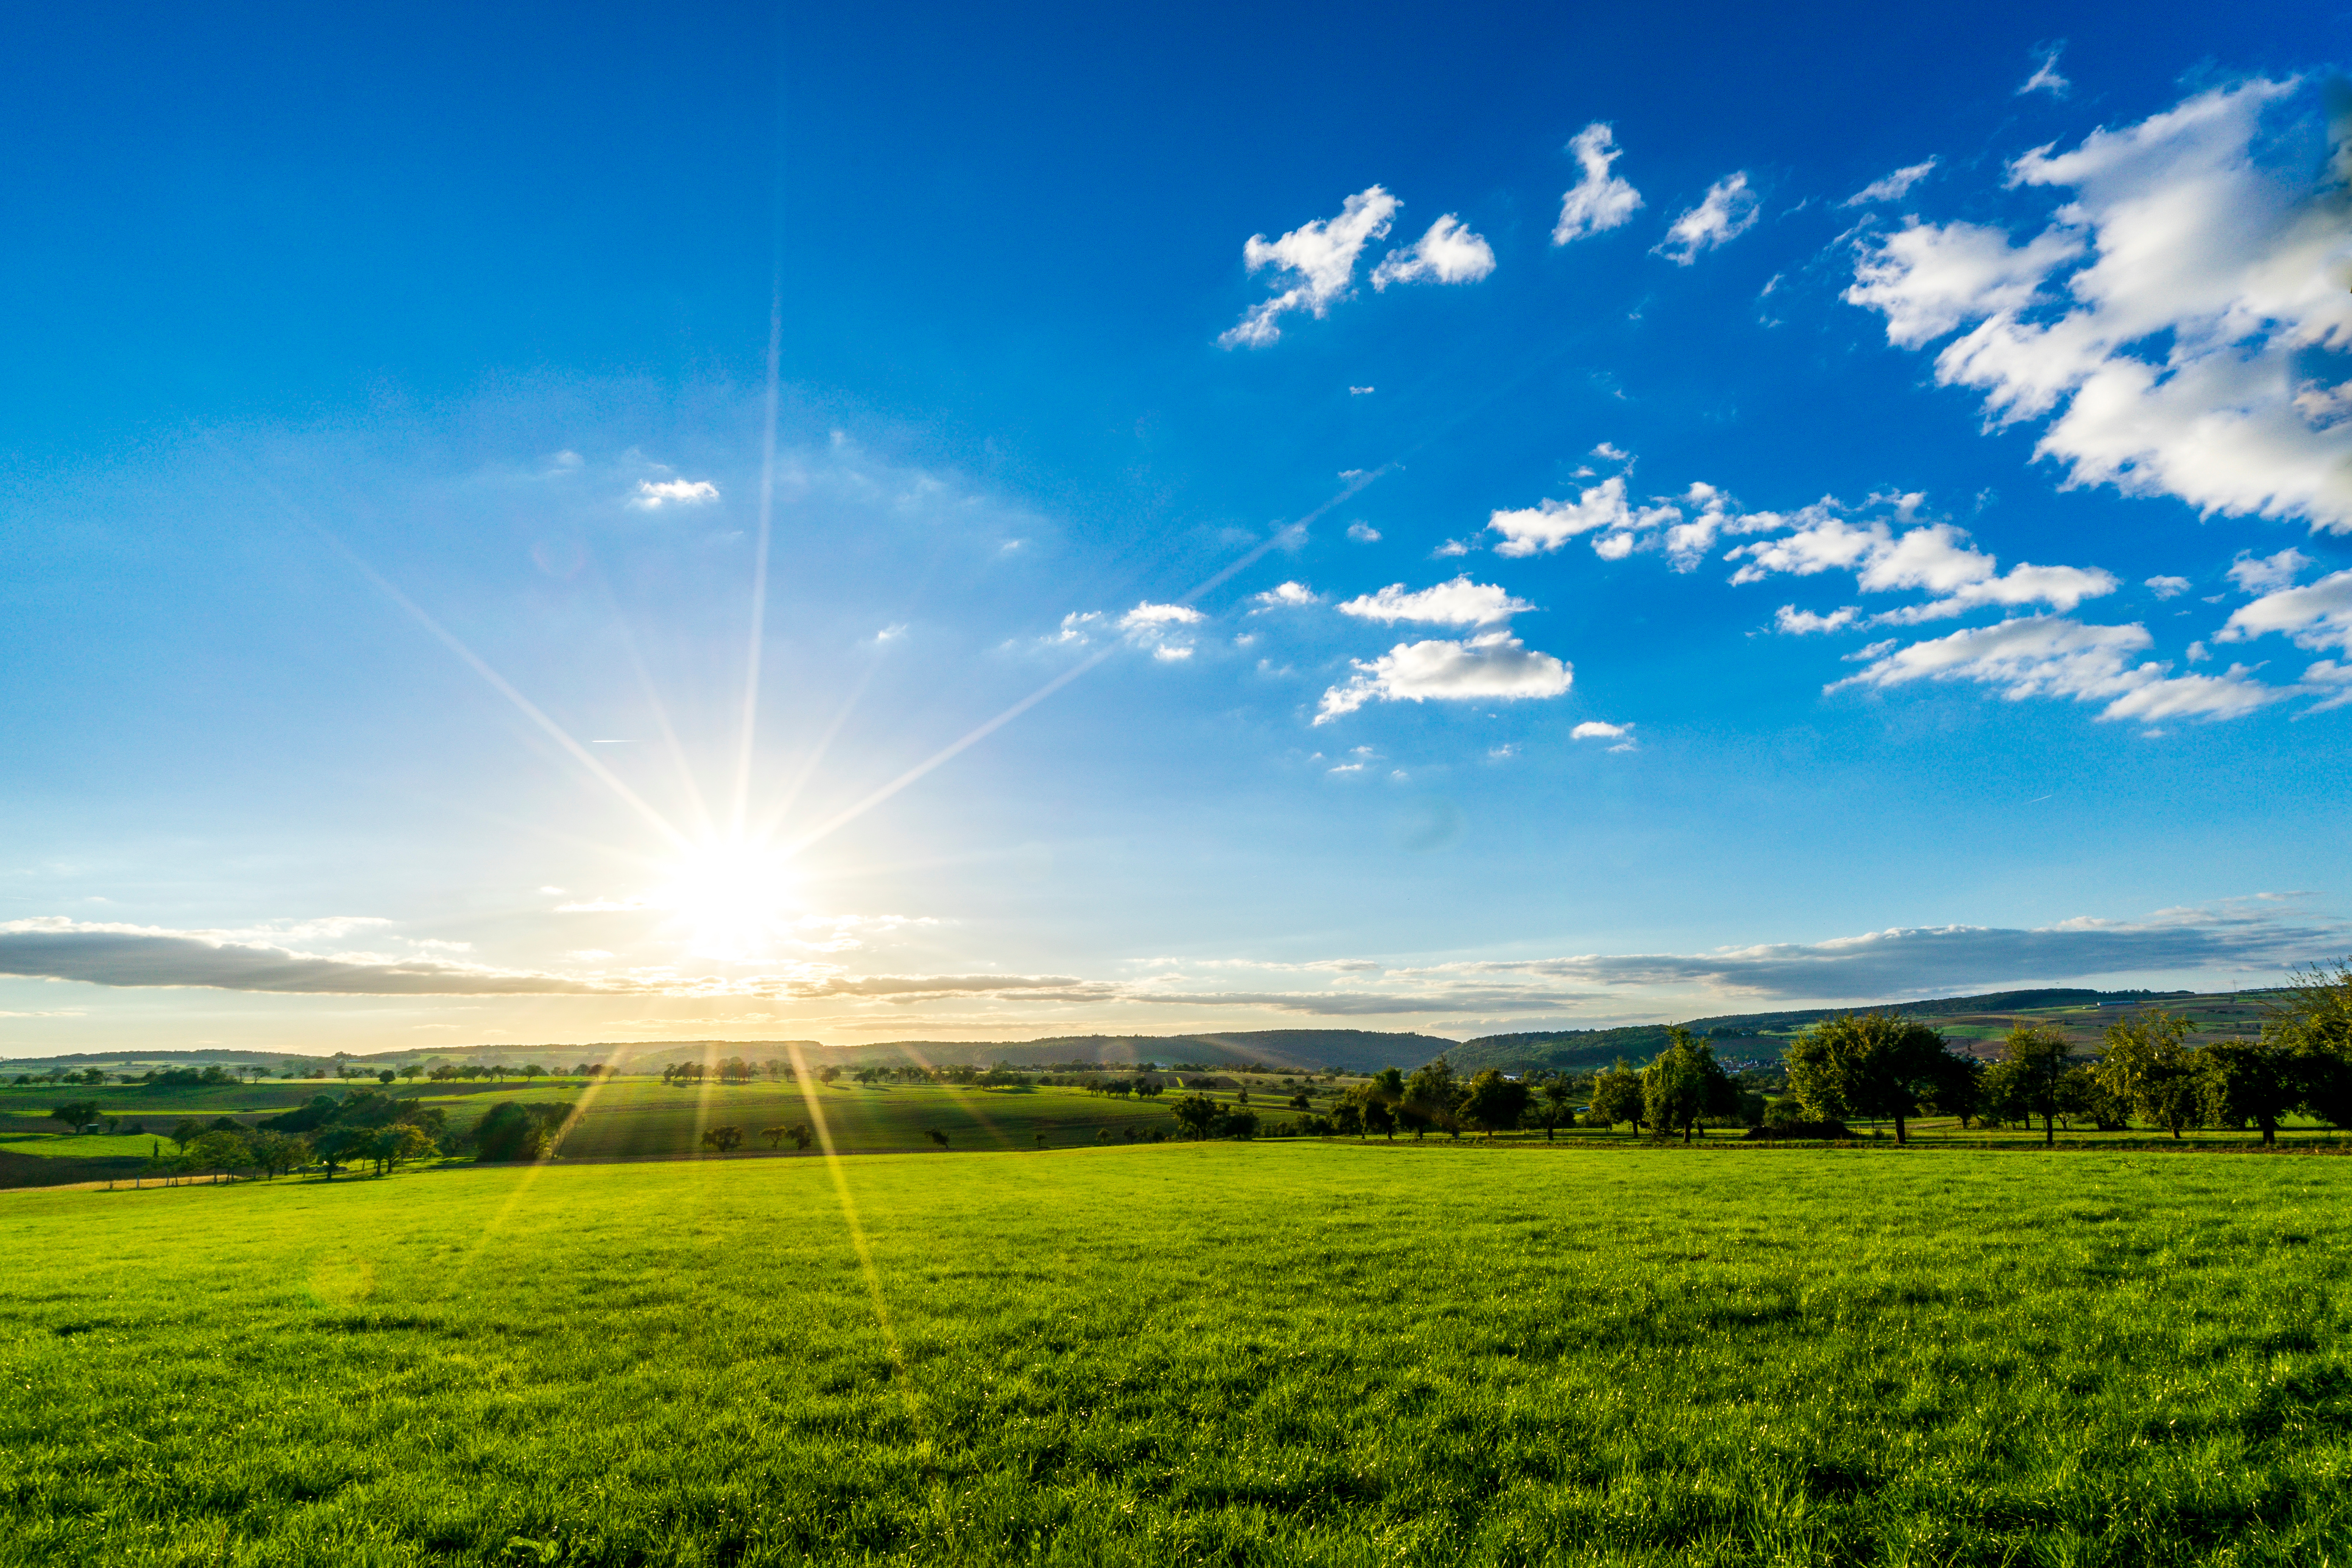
1728 210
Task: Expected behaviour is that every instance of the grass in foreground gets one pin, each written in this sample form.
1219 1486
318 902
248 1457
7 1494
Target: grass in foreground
1191 1353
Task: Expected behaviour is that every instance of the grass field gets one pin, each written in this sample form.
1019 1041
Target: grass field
1193 1354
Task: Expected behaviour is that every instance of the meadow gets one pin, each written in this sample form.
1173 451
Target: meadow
1273 1352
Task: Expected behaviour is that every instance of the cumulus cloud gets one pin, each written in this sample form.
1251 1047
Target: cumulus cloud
1460 603
1320 257
1548 524
1599 201
2047 656
1893 187
1802 623
2318 616
2168 587
654 494
2202 352
1493 666
1728 210
1927 278
1594 729
1447 253
1363 533
1935 558
1286 596
2254 575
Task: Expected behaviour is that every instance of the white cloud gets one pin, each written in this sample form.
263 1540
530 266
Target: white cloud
54 948
2198 355
1800 623
1321 256
1362 391
1599 201
1448 253
1935 558
1148 615
1927 278
2316 615
2168 587
1549 524
2045 656
1610 452
1594 729
2254 575
653 494
2045 77
1893 187
1460 603
1495 665
1363 533
1728 210
1287 596
2328 675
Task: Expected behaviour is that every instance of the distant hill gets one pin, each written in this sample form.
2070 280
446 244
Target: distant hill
1351 1050
1749 1033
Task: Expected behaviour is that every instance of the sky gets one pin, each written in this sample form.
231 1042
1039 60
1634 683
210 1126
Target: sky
561 525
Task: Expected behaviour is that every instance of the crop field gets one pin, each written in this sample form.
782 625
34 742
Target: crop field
1277 1353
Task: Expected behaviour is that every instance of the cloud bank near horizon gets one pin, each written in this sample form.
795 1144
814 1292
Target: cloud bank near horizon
2267 934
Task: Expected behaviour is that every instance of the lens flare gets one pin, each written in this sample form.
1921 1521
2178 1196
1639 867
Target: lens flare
729 900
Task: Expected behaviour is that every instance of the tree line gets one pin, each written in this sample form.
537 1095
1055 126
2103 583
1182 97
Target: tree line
364 1128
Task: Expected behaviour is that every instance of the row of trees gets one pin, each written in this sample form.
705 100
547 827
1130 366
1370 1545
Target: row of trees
364 1127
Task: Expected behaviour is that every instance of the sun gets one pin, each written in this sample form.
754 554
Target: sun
730 900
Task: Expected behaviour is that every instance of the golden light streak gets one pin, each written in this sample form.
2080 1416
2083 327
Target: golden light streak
759 566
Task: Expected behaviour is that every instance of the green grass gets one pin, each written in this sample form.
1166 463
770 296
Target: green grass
86 1145
635 1117
1274 1353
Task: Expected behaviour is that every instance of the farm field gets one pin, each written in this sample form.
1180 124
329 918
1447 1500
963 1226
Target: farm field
1284 1353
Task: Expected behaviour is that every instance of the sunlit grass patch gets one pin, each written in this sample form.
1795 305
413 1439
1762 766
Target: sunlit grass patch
1273 1352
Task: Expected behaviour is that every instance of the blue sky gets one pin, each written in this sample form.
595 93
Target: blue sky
1466 521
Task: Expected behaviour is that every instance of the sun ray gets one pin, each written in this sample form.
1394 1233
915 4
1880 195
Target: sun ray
760 565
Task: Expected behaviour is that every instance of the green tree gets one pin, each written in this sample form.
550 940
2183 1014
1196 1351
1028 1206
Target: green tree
76 1114
936 1136
1197 1114
336 1147
2149 1066
511 1131
276 1152
1381 1117
220 1151
2315 1023
1429 1096
1617 1096
2027 1081
2252 1080
800 1135
775 1135
410 1071
1556 1094
2083 1096
1685 1084
724 1140
188 1132
1867 1064
388 1146
1494 1103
